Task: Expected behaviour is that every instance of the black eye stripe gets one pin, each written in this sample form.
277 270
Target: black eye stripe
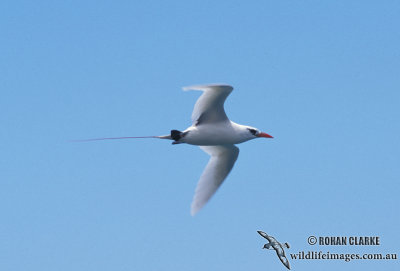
254 132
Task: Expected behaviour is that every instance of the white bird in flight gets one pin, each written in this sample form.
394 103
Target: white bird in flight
215 134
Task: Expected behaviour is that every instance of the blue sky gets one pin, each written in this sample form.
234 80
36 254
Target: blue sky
321 77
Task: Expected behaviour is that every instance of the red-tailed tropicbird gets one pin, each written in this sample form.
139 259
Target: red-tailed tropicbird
215 134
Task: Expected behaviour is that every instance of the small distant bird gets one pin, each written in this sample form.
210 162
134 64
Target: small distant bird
215 134
278 247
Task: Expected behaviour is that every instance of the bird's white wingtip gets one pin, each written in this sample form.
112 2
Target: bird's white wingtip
194 210
207 86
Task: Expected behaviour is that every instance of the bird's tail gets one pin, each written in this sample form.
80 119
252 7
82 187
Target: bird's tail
176 135
124 137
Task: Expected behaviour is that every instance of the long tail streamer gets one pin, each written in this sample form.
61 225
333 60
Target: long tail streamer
112 138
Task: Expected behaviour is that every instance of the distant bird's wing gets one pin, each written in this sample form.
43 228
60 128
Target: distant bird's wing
272 239
223 157
283 259
266 236
209 108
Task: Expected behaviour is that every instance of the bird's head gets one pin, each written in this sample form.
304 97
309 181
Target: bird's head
267 246
253 133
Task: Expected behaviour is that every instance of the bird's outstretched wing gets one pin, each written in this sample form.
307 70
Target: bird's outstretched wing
266 236
209 108
272 239
283 259
223 157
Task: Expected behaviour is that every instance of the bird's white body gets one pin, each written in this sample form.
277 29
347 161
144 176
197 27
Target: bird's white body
221 133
